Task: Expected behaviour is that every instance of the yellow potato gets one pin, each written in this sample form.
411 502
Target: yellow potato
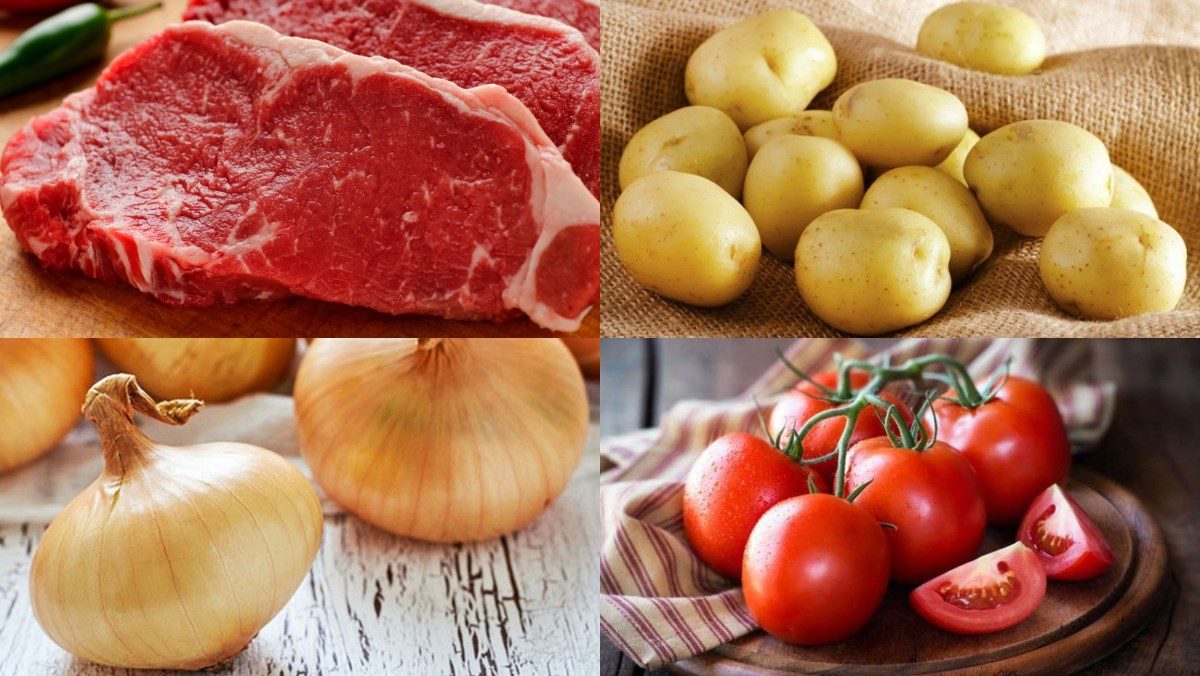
760 68
1027 174
952 165
794 179
1105 263
694 140
683 237
983 36
807 123
944 201
896 123
873 271
1129 194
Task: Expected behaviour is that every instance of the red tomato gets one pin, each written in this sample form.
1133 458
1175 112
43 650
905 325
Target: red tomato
990 594
731 484
816 569
1069 545
1016 442
805 400
931 496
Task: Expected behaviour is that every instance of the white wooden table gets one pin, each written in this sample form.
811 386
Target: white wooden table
373 603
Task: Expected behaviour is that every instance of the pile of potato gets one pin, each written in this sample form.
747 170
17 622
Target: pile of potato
707 187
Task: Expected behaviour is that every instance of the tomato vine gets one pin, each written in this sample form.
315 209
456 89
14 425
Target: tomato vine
852 403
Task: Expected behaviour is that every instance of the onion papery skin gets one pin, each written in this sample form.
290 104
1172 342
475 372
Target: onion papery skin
212 369
175 558
42 385
443 440
587 353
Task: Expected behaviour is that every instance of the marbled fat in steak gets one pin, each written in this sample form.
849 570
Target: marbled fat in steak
545 63
213 164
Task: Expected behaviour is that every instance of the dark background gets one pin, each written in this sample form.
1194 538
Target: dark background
1153 449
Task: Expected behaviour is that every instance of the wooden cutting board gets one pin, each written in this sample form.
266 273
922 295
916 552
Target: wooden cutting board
34 302
1076 624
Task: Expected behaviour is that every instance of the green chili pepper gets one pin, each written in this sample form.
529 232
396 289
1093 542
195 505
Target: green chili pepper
60 44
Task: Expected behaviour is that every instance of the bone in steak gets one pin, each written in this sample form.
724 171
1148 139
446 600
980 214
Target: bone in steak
582 14
546 64
222 163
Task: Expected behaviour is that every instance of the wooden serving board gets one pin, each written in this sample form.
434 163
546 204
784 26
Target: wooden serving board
1077 624
34 302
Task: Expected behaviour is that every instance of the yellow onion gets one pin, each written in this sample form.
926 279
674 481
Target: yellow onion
212 369
174 558
42 383
587 353
442 439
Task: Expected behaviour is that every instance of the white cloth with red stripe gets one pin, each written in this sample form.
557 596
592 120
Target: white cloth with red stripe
659 603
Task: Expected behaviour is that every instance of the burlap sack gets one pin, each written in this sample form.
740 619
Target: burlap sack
1127 70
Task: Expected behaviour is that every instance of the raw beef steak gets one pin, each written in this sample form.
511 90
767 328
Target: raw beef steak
582 14
214 164
545 63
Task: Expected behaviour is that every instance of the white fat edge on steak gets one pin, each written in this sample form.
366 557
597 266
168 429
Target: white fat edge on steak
479 12
558 198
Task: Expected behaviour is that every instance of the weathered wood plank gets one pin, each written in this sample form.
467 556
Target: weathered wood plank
625 384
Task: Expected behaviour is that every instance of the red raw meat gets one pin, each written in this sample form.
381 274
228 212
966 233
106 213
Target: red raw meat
582 14
213 164
546 64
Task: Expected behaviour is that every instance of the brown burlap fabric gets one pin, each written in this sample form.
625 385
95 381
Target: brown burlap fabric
1127 70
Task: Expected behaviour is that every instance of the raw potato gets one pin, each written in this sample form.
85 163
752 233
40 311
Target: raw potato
1105 263
683 237
1129 194
896 123
983 36
760 68
694 140
794 179
807 123
944 201
873 271
1028 174
953 165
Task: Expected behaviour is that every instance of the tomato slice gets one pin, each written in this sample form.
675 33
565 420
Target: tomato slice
1069 545
989 594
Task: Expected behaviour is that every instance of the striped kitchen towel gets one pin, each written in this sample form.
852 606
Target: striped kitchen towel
659 602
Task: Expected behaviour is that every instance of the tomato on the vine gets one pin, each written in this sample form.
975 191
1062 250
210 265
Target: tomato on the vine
816 569
931 496
1069 545
990 594
733 482
1016 442
806 400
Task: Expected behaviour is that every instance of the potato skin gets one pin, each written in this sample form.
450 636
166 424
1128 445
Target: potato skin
1027 174
794 179
683 237
953 164
895 123
1105 263
761 67
982 36
806 123
1129 194
694 140
873 271
946 202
